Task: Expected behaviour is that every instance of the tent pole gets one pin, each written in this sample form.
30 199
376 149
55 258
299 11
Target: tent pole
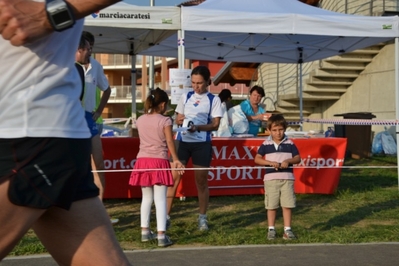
133 90
180 49
183 50
300 97
151 71
151 82
300 61
397 100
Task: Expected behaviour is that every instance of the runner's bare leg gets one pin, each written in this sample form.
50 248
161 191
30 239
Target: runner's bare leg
15 221
81 236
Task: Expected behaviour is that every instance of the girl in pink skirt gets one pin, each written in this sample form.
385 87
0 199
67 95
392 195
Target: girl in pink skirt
156 138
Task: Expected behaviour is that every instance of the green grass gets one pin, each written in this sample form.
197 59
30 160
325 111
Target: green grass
365 208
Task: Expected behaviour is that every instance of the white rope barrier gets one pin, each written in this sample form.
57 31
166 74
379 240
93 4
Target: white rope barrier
244 167
359 122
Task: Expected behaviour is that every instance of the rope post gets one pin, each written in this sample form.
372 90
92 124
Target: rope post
397 99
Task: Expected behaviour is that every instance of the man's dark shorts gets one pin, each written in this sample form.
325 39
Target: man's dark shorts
45 172
199 152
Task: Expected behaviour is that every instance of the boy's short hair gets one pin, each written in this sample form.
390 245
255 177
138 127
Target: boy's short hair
278 120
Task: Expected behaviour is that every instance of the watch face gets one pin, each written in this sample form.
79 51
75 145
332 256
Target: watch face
61 17
59 14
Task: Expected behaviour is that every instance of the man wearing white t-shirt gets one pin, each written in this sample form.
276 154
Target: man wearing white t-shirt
95 78
45 177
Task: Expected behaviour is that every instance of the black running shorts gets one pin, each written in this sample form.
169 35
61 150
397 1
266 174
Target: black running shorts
45 172
199 152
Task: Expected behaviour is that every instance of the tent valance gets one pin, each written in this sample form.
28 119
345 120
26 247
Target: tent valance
129 29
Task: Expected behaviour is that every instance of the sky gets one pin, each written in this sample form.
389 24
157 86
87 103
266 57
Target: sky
156 2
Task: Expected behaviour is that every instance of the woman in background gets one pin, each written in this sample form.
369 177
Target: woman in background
253 110
225 98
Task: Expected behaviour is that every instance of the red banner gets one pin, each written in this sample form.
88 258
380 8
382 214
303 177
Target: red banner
233 169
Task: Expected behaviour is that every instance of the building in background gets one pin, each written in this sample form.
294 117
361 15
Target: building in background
117 68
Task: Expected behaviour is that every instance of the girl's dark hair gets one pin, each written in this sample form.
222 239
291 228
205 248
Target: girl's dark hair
224 95
203 71
258 89
154 99
277 120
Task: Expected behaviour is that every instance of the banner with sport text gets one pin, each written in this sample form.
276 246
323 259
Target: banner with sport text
233 171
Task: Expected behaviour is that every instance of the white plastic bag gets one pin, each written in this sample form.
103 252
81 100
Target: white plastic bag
383 143
238 121
376 147
224 128
388 143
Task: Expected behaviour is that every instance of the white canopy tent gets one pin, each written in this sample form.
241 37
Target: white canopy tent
271 31
276 31
129 29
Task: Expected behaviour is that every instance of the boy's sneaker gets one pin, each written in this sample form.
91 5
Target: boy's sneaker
202 223
148 237
271 234
289 235
164 242
168 223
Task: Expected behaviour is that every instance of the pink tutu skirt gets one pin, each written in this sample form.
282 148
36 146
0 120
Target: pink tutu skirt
147 178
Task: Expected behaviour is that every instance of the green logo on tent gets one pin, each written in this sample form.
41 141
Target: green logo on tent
167 21
387 27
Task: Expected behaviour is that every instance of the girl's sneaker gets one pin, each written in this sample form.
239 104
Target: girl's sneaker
168 223
148 237
164 242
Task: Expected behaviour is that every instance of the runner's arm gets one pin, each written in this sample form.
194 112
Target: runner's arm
23 21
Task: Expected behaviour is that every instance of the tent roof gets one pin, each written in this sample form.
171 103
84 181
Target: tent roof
128 29
272 31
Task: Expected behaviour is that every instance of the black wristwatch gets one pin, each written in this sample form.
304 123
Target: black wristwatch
60 14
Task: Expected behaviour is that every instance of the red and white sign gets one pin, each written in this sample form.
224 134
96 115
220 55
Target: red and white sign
233 169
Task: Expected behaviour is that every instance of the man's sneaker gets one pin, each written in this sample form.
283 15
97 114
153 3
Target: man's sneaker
271 234
289 235
168 223
114 221
164 242
149 236
202 223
